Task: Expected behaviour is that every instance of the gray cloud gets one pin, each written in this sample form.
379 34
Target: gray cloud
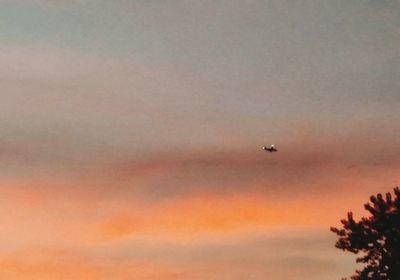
309 254
98 79
310 165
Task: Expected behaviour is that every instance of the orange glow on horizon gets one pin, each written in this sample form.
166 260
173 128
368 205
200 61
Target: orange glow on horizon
221 215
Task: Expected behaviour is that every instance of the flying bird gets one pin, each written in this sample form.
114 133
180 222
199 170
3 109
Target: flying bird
270 149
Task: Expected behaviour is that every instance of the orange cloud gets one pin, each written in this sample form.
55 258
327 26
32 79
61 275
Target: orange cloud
60 264
208 214
45 264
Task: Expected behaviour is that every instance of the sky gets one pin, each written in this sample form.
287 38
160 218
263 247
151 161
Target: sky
131 135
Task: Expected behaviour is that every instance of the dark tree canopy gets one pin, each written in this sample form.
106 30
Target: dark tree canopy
376 238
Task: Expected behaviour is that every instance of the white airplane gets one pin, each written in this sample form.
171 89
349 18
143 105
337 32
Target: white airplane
271 149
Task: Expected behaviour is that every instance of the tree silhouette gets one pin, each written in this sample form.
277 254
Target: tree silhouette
376 238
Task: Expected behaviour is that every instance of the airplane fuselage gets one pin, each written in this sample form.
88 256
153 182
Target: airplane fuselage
272 149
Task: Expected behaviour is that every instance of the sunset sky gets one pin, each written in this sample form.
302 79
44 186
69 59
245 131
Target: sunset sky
131 135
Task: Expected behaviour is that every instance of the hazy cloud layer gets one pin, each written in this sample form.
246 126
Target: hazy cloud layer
131 135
